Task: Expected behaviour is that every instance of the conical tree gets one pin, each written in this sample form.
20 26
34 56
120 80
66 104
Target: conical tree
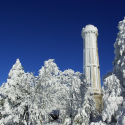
119 67
15 94
114 83
47 86
11 93
119 61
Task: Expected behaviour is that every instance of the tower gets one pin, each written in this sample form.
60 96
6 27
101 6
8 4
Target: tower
91 67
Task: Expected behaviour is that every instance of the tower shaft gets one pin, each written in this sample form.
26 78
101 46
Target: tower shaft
91 67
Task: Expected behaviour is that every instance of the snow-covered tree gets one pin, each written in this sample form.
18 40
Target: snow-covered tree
119 61
59 90
47 87
114 87
11 93
73 94
87 111
67 120
111 97
15 96
31 99
119 68
121 114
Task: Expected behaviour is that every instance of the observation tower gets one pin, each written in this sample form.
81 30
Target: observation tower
91 66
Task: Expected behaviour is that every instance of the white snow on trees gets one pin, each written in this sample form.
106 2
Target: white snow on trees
114 88
119 65
26 98
29 99
111 98
87 108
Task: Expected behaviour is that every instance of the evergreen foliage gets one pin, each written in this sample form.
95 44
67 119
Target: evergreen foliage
28 99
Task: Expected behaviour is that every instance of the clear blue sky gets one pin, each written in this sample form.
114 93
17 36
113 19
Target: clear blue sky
37 30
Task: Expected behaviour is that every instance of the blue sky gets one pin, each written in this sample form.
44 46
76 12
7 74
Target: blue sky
37 30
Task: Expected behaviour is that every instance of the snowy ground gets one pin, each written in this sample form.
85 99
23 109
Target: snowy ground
53 123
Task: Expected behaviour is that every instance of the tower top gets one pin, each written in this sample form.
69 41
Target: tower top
89 28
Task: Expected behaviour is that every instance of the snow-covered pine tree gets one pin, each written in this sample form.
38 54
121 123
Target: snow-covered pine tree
15 95
111 97
47 88
114 88
11 94
119 61
119 67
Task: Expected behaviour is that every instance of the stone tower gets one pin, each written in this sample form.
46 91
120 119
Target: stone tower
91 67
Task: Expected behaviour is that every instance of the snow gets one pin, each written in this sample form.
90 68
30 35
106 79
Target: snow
27 98
50 90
